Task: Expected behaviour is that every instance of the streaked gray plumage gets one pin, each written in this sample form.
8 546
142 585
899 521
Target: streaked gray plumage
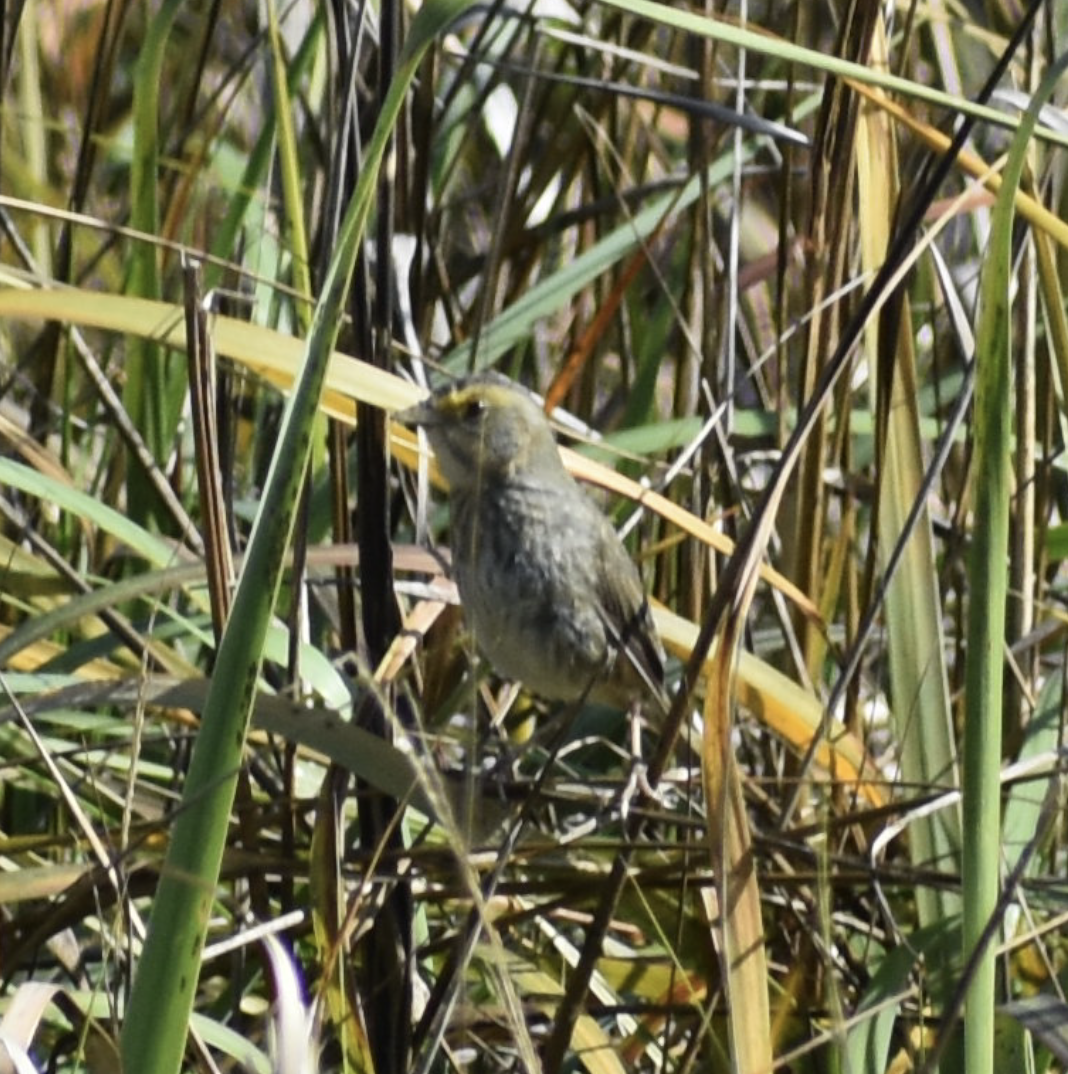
549 591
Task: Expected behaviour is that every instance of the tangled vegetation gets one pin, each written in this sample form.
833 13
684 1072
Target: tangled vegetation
788 277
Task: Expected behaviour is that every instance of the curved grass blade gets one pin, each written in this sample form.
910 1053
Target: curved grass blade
167 975
987 577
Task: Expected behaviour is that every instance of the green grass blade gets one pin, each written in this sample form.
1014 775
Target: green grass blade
292 184
167 975
151 394
248 193
988 577
158 552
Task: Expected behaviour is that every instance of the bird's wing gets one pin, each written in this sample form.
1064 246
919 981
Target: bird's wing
627 618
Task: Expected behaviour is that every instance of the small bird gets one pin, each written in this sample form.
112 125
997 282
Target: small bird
549 591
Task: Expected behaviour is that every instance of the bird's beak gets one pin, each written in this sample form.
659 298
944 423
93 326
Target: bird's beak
415 416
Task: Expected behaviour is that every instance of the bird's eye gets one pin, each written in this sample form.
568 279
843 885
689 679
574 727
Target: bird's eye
472 409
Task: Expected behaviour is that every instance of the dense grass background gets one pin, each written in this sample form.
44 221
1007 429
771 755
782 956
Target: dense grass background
753 256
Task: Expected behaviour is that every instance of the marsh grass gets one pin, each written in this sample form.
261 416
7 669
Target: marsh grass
692 234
